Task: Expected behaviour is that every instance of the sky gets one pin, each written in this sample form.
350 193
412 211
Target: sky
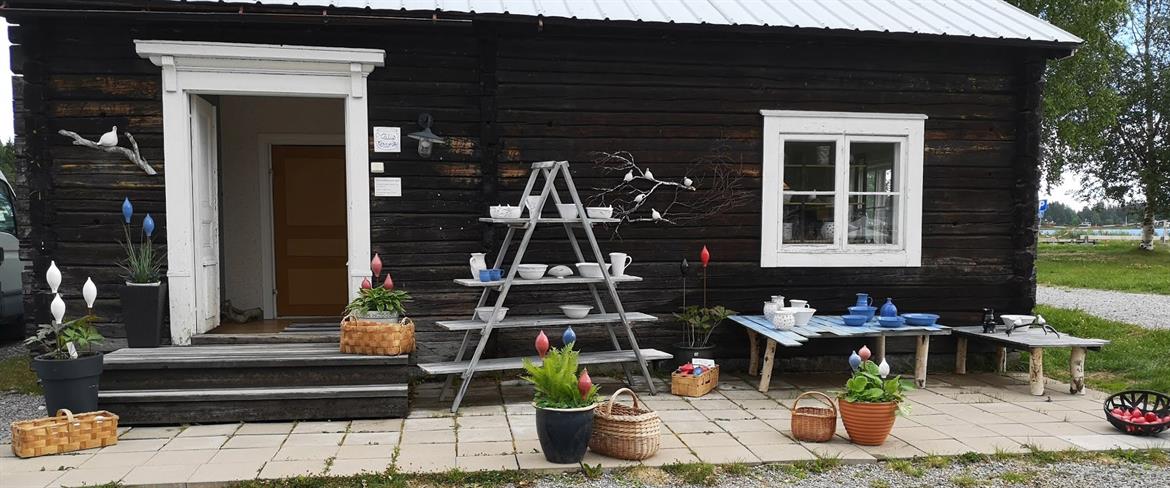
1064 193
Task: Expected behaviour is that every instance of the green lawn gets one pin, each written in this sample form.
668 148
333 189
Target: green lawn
1109 265
16 376
1135 360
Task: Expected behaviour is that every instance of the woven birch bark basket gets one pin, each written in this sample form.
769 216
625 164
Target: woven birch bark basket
65 432
625 432
376 337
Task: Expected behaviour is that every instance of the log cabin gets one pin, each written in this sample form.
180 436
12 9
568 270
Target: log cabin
833 147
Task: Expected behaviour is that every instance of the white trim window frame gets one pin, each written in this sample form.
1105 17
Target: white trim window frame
843 130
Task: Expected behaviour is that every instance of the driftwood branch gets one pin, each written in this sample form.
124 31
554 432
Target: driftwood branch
133 155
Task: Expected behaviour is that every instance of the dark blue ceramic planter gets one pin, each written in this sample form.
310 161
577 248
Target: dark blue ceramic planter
564 433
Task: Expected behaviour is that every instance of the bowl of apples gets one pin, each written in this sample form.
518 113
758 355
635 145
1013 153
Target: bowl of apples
1138 412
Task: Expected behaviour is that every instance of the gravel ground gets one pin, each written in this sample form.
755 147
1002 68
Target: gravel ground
984 474
16 406
1141 309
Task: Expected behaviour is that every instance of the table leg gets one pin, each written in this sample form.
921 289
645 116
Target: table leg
766 375
1001 359
1076 365
921 354
1036 371
961 355
880 348
753 352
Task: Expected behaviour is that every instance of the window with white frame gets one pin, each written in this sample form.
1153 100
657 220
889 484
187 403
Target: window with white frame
841 189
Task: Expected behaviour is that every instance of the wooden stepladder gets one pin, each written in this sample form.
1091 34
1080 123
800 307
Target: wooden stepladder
547 173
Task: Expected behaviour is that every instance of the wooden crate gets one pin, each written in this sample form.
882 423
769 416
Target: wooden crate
64 433
694 386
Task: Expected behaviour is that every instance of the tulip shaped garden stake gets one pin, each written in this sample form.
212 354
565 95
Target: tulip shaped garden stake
541 344
704 257
684 268
585 383
366 285
53 277
864 353
388 283
148 226
376 266
127 210
89 292
569 337
884 368
57 308
854 361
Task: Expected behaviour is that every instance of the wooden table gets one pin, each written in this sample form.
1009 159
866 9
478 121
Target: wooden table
830 327
1035 344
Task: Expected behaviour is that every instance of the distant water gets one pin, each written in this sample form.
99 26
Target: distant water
1105 232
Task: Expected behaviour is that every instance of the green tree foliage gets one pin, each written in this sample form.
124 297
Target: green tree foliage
8 159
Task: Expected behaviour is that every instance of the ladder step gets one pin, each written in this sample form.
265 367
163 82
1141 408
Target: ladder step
568 280
519 321
523 221
500 364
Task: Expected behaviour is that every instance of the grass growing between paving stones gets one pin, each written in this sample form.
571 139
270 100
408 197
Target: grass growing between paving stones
15 375
1135 359
1109 265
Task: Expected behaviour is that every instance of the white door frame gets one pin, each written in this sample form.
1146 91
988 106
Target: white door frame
216 68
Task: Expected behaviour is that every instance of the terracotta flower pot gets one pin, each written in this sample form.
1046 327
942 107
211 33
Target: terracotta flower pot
868 424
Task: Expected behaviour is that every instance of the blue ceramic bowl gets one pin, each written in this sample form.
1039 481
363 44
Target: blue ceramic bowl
891 321
868 312
855 320
920 319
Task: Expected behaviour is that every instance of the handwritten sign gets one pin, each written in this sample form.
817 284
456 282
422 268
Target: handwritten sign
387 187
387 139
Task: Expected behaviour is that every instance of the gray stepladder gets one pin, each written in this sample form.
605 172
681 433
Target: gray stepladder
550 171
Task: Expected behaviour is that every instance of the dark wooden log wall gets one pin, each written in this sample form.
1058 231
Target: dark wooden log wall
507 94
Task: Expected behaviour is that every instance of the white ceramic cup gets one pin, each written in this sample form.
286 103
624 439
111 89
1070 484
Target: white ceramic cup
798 303
778 300
618 262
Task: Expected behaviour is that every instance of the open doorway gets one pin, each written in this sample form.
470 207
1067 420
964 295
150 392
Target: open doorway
283 207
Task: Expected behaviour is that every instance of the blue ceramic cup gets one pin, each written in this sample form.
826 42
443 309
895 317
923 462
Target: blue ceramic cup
485 275
497 274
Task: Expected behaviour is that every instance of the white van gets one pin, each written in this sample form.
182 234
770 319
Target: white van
11 267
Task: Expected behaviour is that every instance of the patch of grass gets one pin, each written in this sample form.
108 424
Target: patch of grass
641 475
736 469
592 472
965 481
879 484
1135 359
1018 477
794 470
823 464
905 467
970 458
1109 265
15 375
936 462
693 473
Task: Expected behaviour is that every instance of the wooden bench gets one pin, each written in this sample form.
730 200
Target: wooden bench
1035 344
830 327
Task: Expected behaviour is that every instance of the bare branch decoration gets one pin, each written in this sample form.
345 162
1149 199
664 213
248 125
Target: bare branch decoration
133 155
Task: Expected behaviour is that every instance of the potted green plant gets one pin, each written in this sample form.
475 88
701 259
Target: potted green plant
68 367
698 324
378 303
564 402
144 296
870 402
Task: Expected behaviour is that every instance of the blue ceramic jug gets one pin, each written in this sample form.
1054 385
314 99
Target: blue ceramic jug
889 310
863 300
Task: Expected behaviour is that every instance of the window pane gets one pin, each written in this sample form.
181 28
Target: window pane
871 166
7 216
808 219
871 219
809 166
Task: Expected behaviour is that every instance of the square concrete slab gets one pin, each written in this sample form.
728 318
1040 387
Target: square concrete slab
376 425
781 453
893 449
111 459
180 458
159 475
728 414
151 433
725 454
412 424
259 455
288 469
428 437
1045 443
320 439
225 472
496 448
674 455
34 479
95 476
763 436
483 422
320 427
484 435
707 440
993 445
840 449
365 452
426 458
298 453
43 463
504 462
942 447
260 428
686 427
209 430
736 426
259 440
135 445
350 467
370 438
189 443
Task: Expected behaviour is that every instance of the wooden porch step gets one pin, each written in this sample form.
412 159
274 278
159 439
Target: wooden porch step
501 364
268 338
519 321
206 405
242 355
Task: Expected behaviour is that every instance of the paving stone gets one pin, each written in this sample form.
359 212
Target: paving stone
151 433
893 449
295 439
1045 443
111 459
43 463
350 467
673 455
477 410
322 427
841 449
159 475
728 414
259 455
537 462
260 440
31 479
938 420
1012 429
1060 428
426 458
136 445
993 445
365 452
225 472
691 427
93 476
430 436
371 438
503 462
915 434
737 426
661 406
179 458
525 431
689 415
942 447
713 404
533 446
289 469
484 435
482 422
737 394
781 453
725 454
260 428
428 424
376 425
189 443
669 440
209 430
707 440
485 448
295 453
965 431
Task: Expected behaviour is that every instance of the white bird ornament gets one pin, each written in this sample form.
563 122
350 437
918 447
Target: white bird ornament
639 198
110 138
687 182
629 176
655 215
648 175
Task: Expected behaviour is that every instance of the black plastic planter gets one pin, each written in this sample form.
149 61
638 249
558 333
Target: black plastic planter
70 383
564 433
684 353
142 312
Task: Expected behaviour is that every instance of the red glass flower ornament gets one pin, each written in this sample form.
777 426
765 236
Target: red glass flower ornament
585 383
388 283
366 285
705 256
376 266
864 353
541 344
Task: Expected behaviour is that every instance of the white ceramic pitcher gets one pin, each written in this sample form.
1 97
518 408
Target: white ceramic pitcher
477 263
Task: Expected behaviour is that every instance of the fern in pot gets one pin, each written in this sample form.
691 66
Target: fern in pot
68 368
144 296
563 400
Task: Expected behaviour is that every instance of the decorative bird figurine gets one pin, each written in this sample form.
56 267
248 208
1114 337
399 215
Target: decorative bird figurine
854 361
864 353
639 198
655 215
629 176
109 139
569 336
541 344
687 182
884 368
585 383
648 174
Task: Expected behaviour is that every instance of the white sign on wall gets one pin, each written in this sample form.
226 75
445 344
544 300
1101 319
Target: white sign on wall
387 187
387 139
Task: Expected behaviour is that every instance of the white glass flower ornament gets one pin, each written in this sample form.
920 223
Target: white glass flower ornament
53 276
89 292
884 368
57 308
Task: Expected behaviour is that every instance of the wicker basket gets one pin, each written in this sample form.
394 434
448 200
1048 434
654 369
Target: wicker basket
622 432
376 338
814 424
64 433
694 386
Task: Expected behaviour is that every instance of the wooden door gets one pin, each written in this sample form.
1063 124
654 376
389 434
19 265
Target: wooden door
205 186
309 229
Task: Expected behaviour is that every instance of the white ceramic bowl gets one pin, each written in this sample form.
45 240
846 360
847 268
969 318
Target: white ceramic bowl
532 271
567 210
802 314
599 212
505 211
560 271
590 270
483 313
1017 320
576 311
